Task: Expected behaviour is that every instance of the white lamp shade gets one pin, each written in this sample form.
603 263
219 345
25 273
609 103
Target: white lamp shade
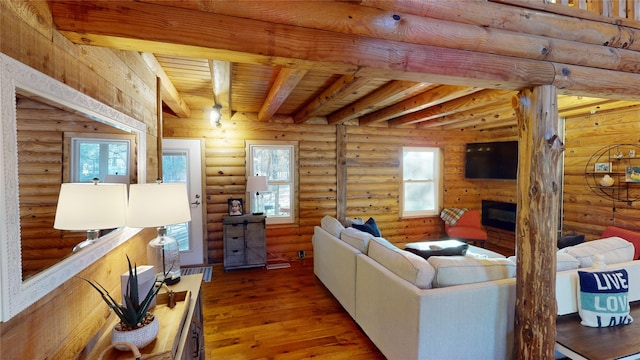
88 206
257 183
153 205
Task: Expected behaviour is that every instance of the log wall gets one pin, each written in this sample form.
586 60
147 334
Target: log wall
372 177
61 324
584 211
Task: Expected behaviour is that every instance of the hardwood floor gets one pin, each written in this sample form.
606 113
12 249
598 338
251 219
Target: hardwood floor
278 314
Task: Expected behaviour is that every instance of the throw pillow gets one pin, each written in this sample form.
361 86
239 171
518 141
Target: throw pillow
603 298
570 239
370 226
331 225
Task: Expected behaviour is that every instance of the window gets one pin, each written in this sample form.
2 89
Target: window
105 159
421 183
174 170
276 162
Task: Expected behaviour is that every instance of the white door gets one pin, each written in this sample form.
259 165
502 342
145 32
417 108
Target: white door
182 163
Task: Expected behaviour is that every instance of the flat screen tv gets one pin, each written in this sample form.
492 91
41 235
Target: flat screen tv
492 160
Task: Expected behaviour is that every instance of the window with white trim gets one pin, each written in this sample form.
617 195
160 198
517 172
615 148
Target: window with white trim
277 162
105 159
421 181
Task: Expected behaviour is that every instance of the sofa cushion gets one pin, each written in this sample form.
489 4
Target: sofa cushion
564 261
602 298
458 270
631 236
614 249
370 226
331 225
570 240
406 265
356 238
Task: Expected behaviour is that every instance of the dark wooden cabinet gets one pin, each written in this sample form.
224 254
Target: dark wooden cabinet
194 342
244 241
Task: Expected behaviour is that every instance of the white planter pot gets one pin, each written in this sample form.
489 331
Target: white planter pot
140 337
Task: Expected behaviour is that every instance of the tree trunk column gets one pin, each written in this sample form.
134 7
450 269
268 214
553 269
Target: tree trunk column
538 189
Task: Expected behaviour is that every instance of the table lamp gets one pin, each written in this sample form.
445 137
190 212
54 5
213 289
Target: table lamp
158 205
90 207
257 184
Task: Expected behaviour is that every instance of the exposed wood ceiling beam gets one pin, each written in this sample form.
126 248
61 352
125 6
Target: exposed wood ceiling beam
504 115
433 96
520 19
361 20
221 83
151 27
574 12
489 124
390 45
481 114
284 84
346 84
570 103
471 101
189 33
384 96
596 108
170 96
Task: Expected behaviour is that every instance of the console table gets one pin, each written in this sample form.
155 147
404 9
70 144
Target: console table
582 342
181 334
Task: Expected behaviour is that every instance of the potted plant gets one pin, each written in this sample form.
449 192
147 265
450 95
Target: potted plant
137 325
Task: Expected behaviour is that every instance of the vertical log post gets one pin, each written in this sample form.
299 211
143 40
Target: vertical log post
341 173
537 199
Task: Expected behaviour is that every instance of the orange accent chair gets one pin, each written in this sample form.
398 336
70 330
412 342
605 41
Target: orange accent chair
468 228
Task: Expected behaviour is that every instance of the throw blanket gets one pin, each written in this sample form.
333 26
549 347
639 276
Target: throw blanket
452 215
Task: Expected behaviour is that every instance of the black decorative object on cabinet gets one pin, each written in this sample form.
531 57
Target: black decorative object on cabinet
613 172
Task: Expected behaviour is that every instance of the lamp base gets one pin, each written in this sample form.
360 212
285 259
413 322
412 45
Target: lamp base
164 254
92 237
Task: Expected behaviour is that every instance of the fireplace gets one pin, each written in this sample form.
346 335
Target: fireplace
499 215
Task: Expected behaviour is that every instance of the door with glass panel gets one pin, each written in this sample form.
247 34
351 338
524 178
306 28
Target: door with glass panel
182 163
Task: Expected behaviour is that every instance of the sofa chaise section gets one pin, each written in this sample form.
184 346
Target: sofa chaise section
473 321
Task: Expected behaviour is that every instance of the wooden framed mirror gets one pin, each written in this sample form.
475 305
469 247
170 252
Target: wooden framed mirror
70 111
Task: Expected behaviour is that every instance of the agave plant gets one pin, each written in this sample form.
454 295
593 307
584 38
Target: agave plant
133 312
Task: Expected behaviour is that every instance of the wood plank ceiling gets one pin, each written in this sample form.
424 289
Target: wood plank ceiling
294 91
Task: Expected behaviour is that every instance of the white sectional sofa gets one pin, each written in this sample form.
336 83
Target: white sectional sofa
388 293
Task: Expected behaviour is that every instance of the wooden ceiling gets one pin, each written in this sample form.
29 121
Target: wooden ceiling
381 63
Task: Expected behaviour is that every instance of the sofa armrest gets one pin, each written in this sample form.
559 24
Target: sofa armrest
334 263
